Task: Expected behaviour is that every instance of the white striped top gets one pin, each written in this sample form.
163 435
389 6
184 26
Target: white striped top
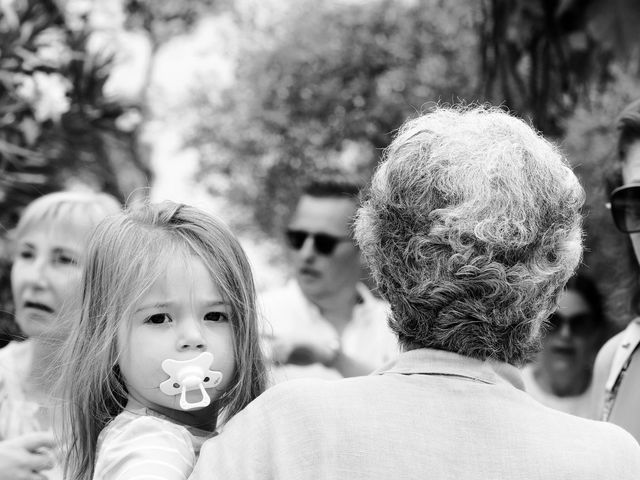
135 446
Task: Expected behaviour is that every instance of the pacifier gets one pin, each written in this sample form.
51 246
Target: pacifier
188 375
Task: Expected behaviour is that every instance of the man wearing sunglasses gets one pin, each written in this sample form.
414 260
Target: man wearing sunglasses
324 322
617 369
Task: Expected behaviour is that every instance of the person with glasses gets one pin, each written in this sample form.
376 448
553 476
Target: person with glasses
324 322
617 368
560 377
471 228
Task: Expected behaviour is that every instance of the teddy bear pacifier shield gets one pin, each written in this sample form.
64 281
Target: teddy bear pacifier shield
187 375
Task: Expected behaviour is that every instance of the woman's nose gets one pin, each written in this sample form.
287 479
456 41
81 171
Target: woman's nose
191 336
34 273
565 330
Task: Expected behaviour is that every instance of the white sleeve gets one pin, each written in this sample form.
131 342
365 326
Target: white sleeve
146 448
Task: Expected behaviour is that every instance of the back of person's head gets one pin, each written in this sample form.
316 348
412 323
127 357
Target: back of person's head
471 228
127 254
66 208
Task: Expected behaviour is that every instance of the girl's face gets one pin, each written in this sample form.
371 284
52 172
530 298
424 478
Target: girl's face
182 315
46 276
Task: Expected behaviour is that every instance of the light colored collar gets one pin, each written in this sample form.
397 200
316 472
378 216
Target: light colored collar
426 361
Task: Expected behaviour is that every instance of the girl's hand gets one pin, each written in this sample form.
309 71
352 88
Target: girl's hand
23 458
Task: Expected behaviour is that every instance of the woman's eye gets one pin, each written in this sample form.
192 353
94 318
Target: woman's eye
66 260
26 254
158 318
216 317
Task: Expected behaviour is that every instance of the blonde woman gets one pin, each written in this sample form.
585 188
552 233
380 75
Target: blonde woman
49 246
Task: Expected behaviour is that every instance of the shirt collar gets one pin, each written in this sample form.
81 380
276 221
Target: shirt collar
426 361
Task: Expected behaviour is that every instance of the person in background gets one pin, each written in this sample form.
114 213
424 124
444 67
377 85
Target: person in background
617 369
49 245
471 227
324 322
561 376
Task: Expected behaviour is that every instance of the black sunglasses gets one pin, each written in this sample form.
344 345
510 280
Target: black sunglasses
624 203
323 243
581 325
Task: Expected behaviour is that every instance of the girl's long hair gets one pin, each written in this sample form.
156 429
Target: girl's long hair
127 253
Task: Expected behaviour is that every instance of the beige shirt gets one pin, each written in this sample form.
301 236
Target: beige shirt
433 414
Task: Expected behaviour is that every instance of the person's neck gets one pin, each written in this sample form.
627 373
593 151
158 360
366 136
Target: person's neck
337 309
572 389
204 419
40 380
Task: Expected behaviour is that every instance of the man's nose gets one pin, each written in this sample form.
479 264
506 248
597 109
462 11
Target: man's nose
308 250
191 336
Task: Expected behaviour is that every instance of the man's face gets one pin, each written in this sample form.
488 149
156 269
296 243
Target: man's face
631 175
322 275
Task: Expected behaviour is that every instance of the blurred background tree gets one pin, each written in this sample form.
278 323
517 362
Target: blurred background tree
325 85
58 129
286 88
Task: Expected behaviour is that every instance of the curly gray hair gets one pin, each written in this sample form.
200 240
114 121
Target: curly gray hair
471 227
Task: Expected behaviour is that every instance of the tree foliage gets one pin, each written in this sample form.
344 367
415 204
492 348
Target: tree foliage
165 19
326 87
56 125
543 58
56 122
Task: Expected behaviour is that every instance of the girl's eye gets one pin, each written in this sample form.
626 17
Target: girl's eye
216 317
158 318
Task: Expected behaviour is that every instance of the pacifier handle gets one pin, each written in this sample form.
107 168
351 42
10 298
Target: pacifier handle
186 405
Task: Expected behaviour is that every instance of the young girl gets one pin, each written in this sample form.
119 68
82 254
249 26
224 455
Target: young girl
167 343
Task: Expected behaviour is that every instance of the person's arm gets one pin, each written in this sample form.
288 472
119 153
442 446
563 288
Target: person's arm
145 449
24 457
